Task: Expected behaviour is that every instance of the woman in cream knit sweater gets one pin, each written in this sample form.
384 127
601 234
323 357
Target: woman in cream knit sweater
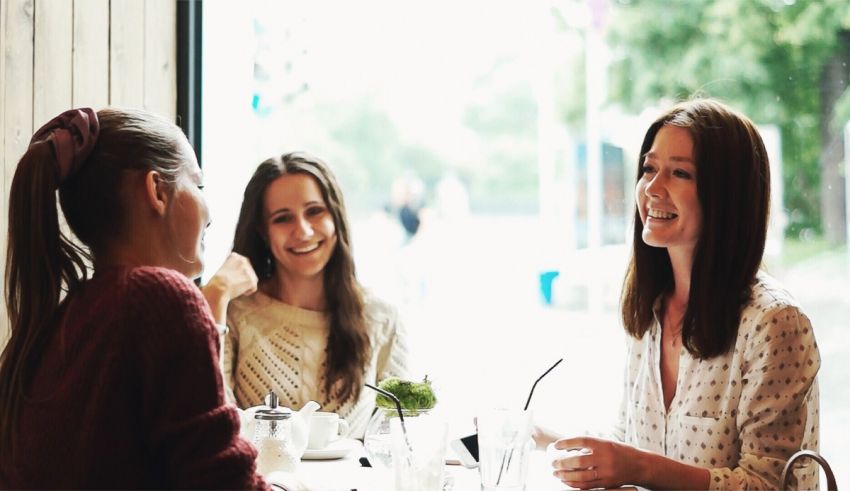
310 332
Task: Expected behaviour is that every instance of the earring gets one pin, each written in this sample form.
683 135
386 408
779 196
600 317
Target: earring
268 269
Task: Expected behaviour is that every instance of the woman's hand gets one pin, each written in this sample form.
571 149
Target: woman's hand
236 277
543 437
598 463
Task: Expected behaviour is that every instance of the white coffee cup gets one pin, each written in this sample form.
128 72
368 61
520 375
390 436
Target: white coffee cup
325 428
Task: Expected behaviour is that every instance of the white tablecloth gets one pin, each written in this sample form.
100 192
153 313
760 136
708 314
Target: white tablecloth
347 474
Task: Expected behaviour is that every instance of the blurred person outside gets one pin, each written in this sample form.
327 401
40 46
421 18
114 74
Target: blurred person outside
407 198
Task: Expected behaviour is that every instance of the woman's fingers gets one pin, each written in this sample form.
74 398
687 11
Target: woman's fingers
577 443
577 461
239 275
579 478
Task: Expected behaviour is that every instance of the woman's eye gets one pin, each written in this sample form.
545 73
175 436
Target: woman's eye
647 168
281 219
683 174
316 210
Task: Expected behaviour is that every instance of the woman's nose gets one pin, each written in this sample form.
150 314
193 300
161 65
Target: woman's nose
303 228
656 186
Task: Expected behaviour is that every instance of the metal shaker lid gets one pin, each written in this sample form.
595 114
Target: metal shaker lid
275 412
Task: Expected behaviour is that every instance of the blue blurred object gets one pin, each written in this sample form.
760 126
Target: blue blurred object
546 279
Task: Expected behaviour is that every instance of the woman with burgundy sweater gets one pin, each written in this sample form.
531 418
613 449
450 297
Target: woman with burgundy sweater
111 380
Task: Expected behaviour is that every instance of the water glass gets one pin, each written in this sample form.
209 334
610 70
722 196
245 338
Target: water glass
505 446
419 452
378 442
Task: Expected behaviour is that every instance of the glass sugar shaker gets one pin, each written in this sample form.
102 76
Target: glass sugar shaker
273 438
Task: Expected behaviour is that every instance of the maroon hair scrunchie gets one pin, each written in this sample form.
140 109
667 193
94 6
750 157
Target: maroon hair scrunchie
72 135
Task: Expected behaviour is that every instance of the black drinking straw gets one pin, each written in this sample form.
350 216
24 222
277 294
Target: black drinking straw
538 380
506 458
400 415
394 399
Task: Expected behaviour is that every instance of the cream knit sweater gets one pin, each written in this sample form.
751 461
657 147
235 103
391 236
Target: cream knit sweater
274 346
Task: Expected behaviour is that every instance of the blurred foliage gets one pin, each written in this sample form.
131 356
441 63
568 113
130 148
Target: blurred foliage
504 119
570 99
369 152
795 251
765 57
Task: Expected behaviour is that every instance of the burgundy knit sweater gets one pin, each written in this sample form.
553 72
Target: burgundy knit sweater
129 395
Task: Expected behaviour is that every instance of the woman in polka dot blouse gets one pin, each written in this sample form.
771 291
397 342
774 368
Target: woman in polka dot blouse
721 377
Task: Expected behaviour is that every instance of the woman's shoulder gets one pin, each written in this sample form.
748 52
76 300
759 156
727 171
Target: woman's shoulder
153 283
769 295
260 309
772 312
160 299
379 312
248 303
377 307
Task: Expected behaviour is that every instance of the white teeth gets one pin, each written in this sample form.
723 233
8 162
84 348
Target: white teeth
660 214
306 249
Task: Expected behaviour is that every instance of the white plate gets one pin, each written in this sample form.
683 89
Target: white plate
335 450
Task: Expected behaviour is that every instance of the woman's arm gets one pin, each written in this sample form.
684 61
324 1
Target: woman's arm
392 352
778 407
186 426
776 416
229 363
236 277
598 463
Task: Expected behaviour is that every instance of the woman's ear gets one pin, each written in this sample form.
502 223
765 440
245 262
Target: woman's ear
156 192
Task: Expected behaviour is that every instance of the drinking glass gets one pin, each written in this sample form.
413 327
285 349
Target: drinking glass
377 440
505 446
419 452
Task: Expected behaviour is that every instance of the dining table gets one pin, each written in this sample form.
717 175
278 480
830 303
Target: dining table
347 473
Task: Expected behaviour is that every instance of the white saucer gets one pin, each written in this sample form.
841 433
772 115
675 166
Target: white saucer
335 450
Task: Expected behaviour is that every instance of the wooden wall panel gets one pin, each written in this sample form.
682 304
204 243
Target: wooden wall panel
57 54
52 81
91 54
160 62
17 94
4 321
18 82
127 53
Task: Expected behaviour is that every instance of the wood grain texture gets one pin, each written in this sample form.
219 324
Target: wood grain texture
91 54
4 320
57 54
161 57
17 93
52 48
127 53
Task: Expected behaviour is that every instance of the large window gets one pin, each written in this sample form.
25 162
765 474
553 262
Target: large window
487 153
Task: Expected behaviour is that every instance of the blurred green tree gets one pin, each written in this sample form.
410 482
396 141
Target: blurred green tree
504 119
369 152
779 61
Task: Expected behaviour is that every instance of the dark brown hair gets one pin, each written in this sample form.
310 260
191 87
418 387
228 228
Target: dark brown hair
349 348
43 265
733 188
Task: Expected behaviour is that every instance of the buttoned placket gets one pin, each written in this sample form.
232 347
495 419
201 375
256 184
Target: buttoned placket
668 413
659 387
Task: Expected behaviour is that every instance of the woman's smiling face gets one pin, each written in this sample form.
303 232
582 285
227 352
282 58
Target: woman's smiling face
298 225
666 192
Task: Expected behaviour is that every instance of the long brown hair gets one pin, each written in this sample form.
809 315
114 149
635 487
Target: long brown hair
43 266
733 188
349 348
